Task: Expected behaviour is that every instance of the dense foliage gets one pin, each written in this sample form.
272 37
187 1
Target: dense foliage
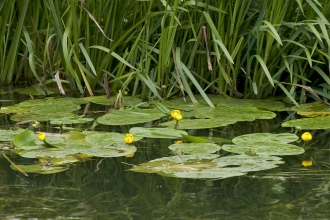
161 48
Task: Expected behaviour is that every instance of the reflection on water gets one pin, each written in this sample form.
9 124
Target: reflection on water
85 192
105 189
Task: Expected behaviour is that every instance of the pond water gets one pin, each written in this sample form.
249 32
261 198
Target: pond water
105 188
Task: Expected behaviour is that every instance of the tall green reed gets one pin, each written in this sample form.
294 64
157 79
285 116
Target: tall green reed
160 49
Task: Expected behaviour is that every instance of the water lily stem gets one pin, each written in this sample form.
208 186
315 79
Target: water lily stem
13 164
305 142
176 124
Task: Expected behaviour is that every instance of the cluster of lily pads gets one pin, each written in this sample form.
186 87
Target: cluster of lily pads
196 157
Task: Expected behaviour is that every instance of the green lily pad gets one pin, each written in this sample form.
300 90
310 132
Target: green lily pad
199 123
12 109
53 105
315 109
113 150
71 120
244 163
265 144
36 168
41 117
264 104
200 168
196 148
265 137
125 117
8 135
309 123
103 100
108 138
237 113
156 132
265 148
34 90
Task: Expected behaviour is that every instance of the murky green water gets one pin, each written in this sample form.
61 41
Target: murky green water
105 189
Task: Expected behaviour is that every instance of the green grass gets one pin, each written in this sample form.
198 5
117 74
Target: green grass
160 49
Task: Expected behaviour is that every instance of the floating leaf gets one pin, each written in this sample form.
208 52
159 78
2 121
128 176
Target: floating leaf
195 139
8 135
200 123
264 104
41 169
201 168
125 117
113 150
12 109
309 123
265 137
103 100
265 144
265 148
196 148
71 120
156 132
34 90
237 113
311 110
108 138
24 138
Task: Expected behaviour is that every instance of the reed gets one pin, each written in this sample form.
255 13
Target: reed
159 49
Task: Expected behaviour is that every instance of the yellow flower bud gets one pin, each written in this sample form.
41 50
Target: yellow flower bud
307 163
306 136
128 138
176 114
42 136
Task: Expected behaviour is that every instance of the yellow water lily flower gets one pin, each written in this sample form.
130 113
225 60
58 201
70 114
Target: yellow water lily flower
128 138
42 136
306 136
176 114
178 141
307 163
129 155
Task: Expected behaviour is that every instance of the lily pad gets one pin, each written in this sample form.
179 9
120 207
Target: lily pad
34 90
8 135
311 110
110 150
108 138
265 148
196 148
103 100
55 106
125 117
237 113
264 104
265 137
265 144
12 109
71 120
36 168
309 123
199 123
156 132
199 168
